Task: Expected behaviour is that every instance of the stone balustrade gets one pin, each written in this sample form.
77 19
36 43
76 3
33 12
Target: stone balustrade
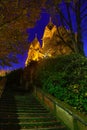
70 117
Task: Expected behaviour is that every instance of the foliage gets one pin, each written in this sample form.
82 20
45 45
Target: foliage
18 15
64 12
65 77
15 17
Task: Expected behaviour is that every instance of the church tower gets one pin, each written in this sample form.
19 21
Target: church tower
51 44
49 31
34 52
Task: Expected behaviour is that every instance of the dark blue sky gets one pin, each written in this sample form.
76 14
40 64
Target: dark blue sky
40 25
39 29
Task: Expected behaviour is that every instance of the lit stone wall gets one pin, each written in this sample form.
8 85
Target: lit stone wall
62 111
52 44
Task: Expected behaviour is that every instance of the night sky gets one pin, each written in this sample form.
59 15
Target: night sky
40 25
39 29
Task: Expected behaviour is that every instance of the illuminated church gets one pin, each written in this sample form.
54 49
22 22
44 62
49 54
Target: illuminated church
35 51
50 46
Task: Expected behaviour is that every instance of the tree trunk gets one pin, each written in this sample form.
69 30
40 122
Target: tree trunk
79 34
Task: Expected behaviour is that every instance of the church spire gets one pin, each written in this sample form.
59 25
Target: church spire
35 35
50 20
50 24
35 39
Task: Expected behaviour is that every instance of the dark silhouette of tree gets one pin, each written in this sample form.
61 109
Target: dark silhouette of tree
18 15
15 17
79 9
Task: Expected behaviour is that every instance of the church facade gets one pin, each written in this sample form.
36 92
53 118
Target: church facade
51 44
35 52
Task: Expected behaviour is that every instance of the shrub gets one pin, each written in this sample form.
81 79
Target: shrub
65 77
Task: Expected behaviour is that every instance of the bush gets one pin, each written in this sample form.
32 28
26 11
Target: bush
65 77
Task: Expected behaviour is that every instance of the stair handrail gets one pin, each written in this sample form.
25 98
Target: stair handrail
72 112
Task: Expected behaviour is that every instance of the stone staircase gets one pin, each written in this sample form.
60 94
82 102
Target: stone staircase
22 111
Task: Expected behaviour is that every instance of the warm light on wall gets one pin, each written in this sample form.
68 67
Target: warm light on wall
37 52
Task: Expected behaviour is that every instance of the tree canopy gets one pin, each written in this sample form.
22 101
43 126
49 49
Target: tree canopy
72 15
15 17
18 15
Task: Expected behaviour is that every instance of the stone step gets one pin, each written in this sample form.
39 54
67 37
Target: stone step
25 112
17 127
32 124
22 108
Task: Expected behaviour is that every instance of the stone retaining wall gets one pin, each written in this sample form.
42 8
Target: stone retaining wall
64 112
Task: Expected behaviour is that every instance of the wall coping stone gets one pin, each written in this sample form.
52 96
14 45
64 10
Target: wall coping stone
70 110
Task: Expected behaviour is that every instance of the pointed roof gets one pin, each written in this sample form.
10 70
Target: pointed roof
35 43
50 24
